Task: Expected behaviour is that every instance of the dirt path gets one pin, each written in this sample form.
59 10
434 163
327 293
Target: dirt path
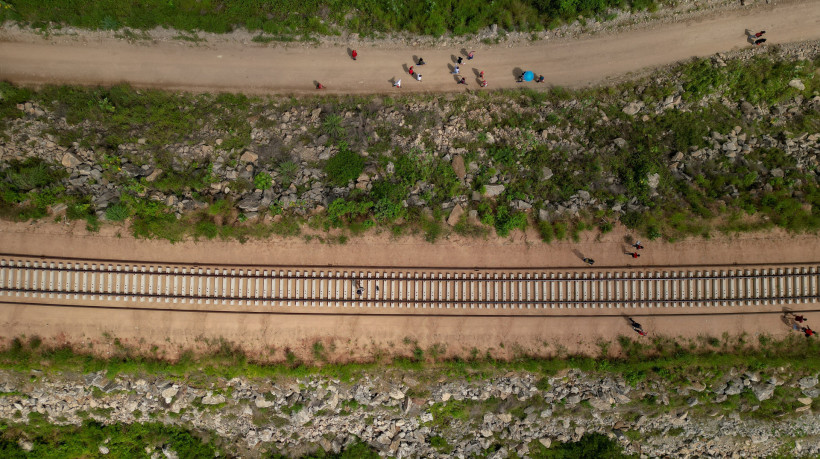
260 69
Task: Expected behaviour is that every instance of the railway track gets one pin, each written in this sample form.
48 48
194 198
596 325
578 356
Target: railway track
359 290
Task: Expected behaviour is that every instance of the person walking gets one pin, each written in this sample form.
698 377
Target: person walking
418 77
460 60
483 83
637 327
540 79
411 70
760 34
455 71
808 332
637 245
463 81
634 254
760 41
397 84
420 62
589 261
799 319
481 74
471 55
319 86
354 54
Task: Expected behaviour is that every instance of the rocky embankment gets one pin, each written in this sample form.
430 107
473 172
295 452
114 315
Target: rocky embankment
735 414
290 142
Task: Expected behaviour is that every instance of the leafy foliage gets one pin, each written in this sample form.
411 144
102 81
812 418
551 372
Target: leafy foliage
344 166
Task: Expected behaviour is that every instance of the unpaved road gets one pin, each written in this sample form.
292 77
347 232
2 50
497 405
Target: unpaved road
260 69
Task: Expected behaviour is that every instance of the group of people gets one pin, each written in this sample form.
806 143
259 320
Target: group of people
798 323
634 254
417 76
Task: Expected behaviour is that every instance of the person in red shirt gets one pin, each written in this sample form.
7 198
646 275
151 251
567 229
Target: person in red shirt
634 254
799 319
320 86
808 332
354 54
411 70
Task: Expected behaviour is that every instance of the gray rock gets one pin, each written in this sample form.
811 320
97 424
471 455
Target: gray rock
249 157
491 191
808 382
70 161
103 450
543 215
763 391
546 173
211 399
458 167
797 84
633 108
653 180
777 172
621 143
153 175
455 215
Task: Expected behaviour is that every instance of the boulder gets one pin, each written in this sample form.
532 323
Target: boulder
458 167
633 108
103 450
807 383
797 84
763 391
70 161
491 191
455 215
211 399
153 175
249 157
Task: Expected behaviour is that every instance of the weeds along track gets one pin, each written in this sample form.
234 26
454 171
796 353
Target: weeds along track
360 290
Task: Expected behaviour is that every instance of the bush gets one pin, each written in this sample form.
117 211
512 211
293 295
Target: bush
117 212
344 166
262 181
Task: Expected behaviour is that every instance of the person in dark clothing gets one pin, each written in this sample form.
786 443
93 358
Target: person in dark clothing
463 81
799 319
637 327
460 60
634 254
589 261
760 41
420 62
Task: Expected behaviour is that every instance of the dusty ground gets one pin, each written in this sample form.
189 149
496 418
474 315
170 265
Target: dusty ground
260 69
365 336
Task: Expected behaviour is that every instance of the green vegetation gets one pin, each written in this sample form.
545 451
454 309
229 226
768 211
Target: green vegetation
344 166
126 440
130 441
618 157
592 445
283 19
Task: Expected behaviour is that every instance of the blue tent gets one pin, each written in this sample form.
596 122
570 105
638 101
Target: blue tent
528 76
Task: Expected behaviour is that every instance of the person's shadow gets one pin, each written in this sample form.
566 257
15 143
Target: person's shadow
315 84
477 72
451 67
458 79
454 58
406 68
578 254
350 53
750 37
518 74
464 52
415 60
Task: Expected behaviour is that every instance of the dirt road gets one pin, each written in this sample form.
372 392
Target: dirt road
260 69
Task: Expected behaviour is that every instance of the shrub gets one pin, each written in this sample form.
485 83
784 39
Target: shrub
344 166
262 181
117 212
